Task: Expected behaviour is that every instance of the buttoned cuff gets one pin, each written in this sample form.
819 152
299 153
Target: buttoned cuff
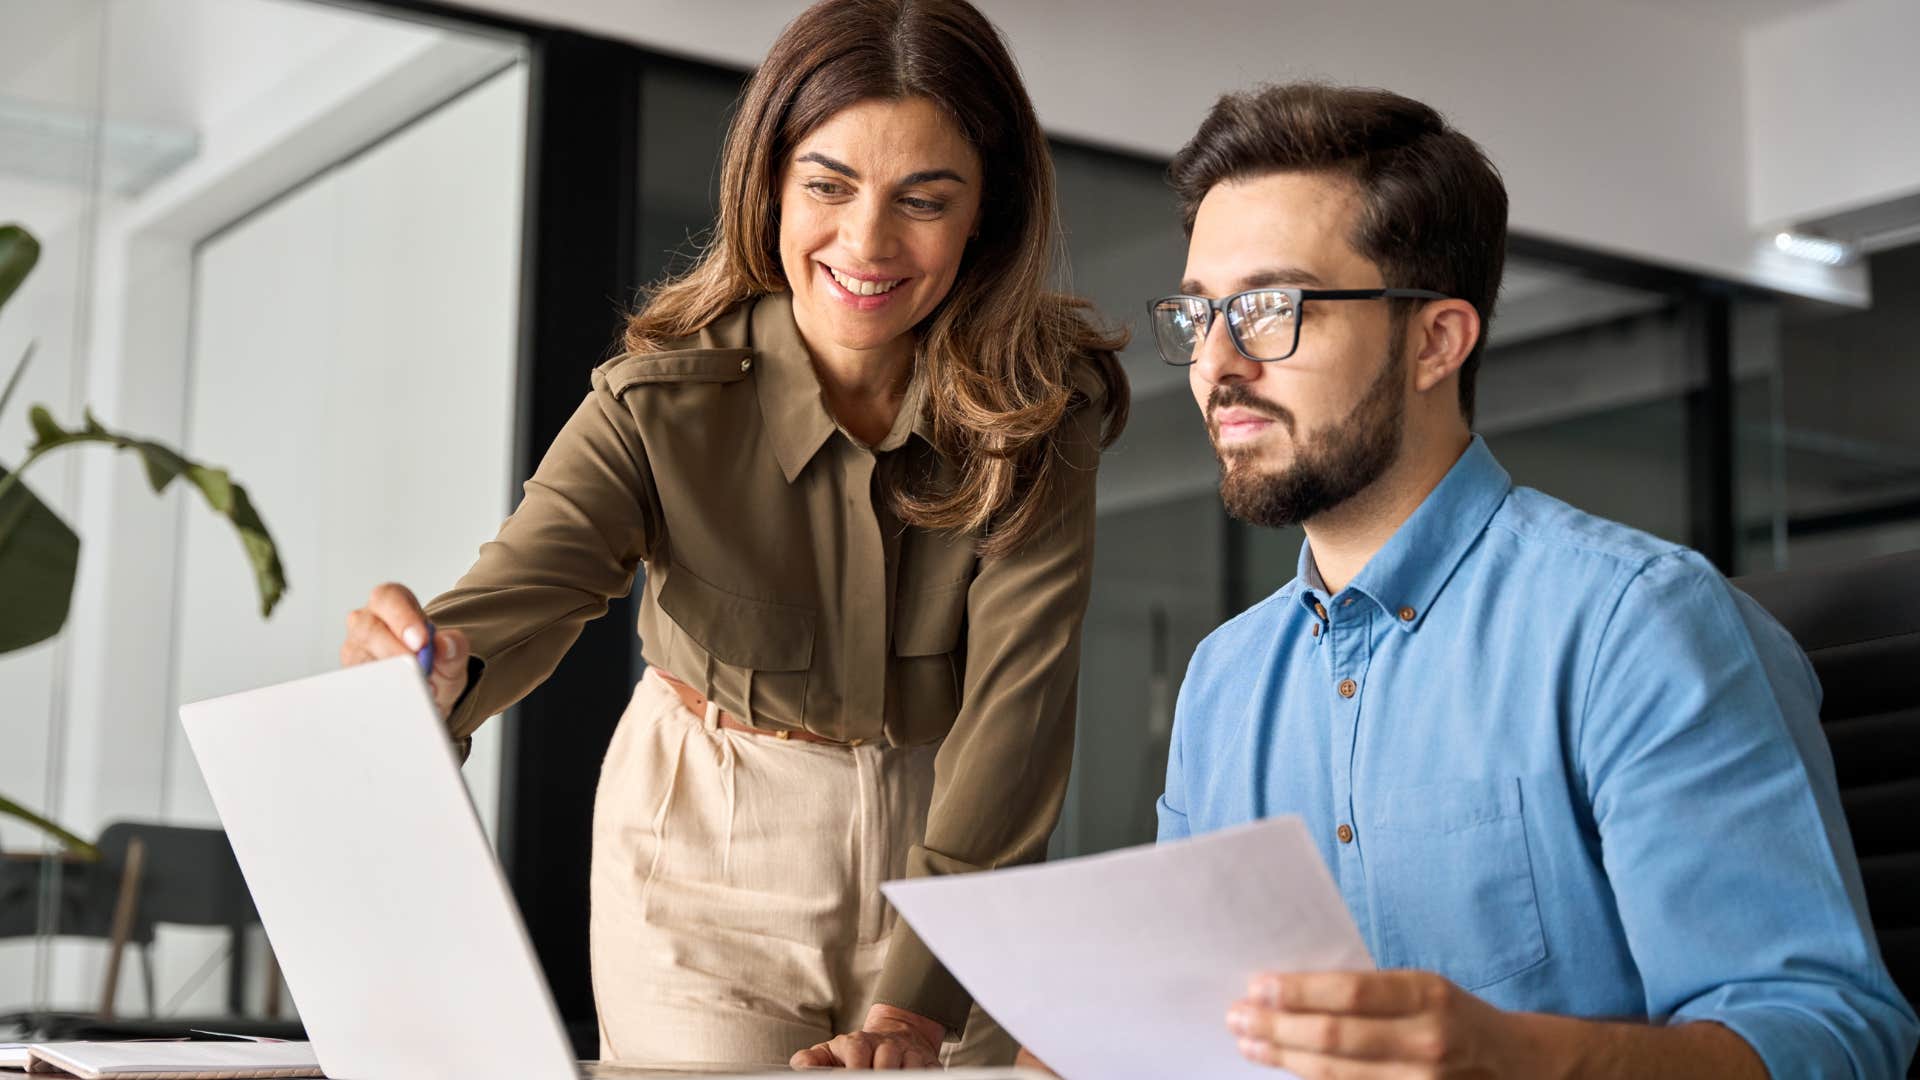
913 979
917 982
461 718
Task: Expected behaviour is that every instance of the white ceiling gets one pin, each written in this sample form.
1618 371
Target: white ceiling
141 82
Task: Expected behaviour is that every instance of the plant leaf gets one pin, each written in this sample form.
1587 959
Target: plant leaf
71 842
164 465
13 381
18 252
39 556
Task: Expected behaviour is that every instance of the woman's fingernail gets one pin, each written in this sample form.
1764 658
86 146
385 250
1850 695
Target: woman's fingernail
1268 990
1238 1022
415 637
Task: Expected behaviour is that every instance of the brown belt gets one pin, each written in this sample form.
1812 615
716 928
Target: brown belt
696 704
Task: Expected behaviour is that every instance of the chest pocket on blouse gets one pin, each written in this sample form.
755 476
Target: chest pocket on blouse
746 647
1452 881
926 660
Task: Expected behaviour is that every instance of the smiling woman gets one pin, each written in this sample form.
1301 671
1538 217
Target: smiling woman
854 448
1002 350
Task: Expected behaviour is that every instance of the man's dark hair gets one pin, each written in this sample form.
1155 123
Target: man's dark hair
1433 208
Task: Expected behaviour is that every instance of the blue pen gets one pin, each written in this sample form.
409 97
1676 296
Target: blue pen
425 655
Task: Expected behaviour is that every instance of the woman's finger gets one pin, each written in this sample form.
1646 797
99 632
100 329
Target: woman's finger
449 677
370 632
396 606
854 1051
814 1057
450 654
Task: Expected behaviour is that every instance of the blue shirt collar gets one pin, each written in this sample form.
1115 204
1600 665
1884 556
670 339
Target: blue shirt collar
1404 576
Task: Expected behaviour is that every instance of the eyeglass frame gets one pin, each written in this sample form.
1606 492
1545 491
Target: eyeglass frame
1299 298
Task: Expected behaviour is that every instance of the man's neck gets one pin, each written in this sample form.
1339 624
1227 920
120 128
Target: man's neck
1343 540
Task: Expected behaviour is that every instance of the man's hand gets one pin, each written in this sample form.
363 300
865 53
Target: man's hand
1398 1024
1415 1024
891 1039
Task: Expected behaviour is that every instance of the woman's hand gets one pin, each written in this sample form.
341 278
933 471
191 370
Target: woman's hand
891 1039
392 624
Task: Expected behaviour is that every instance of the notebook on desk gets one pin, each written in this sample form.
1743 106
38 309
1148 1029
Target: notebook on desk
173 1060
391 919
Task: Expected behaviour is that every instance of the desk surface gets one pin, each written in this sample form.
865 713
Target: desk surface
613 1070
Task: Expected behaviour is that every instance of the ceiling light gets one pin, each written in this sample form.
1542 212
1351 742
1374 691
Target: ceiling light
1814 249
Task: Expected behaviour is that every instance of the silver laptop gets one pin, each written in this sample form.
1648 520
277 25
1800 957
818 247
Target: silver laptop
391 919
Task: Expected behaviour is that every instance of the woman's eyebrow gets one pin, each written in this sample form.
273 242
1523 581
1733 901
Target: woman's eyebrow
929 175
840 167
924 176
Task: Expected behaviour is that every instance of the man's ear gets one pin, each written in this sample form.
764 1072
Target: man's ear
1442 335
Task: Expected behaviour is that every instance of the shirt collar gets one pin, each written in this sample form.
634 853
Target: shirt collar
797 420
1405 576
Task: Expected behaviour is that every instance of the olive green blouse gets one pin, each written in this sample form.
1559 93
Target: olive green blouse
780 585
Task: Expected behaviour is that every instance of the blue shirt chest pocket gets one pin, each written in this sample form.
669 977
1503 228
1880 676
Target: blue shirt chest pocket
1451 882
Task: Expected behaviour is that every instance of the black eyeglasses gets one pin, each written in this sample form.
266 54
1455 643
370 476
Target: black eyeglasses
1263 323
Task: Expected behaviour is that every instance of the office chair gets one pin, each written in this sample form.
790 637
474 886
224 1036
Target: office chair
1860 625
147 874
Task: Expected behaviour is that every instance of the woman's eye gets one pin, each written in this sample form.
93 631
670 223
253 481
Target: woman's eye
924 206
825 187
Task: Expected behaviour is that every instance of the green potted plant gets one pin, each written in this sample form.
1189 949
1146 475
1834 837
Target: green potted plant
40 553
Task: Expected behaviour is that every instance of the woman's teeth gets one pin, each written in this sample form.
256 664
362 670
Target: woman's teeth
863 288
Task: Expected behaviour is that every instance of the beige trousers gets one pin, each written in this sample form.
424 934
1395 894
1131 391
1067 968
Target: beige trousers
737 915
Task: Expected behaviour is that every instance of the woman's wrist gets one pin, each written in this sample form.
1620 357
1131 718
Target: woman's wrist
882 1017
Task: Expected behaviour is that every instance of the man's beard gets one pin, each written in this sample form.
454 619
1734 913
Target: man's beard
1332 466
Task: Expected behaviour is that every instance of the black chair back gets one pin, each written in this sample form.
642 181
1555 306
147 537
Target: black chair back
1860 625
190 877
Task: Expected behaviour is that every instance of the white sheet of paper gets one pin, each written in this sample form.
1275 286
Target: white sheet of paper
1123 965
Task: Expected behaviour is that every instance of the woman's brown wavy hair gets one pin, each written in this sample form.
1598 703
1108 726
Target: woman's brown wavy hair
999 352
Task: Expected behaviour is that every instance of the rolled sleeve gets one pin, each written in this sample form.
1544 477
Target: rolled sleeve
1721 831
1000 776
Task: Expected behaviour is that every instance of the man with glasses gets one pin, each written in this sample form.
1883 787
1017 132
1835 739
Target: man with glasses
1571 783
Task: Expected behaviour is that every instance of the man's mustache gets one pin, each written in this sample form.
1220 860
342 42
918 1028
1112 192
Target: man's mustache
1231 395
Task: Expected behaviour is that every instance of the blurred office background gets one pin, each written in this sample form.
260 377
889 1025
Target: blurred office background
364 253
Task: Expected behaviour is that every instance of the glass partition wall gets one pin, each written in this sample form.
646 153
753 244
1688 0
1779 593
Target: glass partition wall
283 238
54 157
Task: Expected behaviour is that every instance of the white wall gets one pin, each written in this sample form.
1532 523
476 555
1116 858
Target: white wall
1618 127
363 391
1834 109
352 93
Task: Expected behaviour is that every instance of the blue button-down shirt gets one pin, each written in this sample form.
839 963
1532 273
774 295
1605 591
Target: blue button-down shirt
1560 762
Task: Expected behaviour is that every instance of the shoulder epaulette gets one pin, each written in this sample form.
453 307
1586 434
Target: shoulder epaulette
676 366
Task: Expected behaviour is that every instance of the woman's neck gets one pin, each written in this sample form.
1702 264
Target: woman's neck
863 388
